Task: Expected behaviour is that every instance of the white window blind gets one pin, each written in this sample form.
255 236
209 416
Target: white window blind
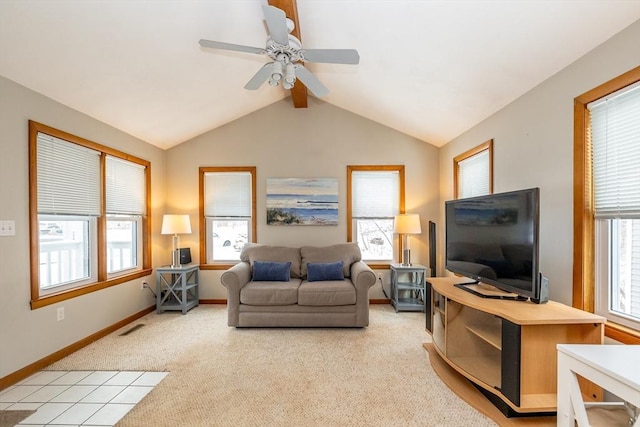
227 194
375 194
68 177
615 137
125 187
473 175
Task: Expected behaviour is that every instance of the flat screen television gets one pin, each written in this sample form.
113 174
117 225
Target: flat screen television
494 240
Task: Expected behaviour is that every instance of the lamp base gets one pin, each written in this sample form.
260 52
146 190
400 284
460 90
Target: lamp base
406 258
175 252
175 259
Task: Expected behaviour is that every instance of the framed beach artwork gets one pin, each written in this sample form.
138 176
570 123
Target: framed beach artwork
302 201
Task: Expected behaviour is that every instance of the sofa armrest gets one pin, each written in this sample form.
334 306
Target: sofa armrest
362 276
234 279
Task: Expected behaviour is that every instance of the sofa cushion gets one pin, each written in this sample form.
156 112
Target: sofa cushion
270 293
271 271
332 292
254 251
319 271
348 253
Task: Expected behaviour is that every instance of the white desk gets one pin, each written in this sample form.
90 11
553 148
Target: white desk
615 368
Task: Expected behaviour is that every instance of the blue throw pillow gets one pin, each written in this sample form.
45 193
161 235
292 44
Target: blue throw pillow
267 271
319 271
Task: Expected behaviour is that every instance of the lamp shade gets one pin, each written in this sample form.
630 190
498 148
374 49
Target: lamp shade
176 224
407 224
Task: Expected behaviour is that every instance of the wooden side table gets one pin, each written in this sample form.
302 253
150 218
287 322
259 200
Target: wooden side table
177 288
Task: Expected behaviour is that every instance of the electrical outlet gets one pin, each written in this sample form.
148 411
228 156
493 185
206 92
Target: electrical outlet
60 313
143 285
380 276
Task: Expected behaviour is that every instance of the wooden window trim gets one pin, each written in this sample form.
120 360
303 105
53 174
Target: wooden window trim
488 145
203 221
374 168
583 214
103 281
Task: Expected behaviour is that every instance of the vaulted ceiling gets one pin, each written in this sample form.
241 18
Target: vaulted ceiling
430 69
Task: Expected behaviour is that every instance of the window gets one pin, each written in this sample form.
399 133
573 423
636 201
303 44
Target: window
124 234
125 200
70 255
67 252
607 205
617 280
473 172
375 194
227 212
615 137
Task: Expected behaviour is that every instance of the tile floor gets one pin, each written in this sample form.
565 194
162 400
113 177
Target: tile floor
79 398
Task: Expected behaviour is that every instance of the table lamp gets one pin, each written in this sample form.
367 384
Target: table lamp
175 224
404 225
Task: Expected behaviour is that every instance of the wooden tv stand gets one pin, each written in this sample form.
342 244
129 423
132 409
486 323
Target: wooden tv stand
507 348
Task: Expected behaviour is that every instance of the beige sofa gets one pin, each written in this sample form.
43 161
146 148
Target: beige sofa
299 302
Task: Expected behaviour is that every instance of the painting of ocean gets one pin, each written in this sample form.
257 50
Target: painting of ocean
302 201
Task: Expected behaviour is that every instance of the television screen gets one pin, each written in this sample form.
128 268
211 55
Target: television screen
493 239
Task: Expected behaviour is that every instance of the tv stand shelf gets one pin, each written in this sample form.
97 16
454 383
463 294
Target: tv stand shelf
507 348
488 332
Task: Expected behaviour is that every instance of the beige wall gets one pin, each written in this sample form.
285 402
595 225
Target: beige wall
29 335
533 147
320 141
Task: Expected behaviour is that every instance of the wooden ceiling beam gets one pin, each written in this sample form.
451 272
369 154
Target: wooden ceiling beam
290 7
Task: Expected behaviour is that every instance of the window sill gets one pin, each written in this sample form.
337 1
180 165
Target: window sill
217 266
621 333
73 293
385 265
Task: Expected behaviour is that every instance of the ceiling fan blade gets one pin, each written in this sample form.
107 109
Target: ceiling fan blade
230 46
333 56
277 24
310 81
260 77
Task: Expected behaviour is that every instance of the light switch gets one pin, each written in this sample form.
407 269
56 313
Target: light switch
7 227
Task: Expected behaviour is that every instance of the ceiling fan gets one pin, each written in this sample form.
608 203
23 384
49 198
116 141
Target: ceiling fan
287 55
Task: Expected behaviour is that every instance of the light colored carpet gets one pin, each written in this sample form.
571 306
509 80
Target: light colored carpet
11 418
222 376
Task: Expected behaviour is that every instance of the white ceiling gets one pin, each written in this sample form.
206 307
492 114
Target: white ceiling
430 69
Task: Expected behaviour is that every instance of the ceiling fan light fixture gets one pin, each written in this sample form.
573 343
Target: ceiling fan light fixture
273 82
276 71
289 73
288 85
